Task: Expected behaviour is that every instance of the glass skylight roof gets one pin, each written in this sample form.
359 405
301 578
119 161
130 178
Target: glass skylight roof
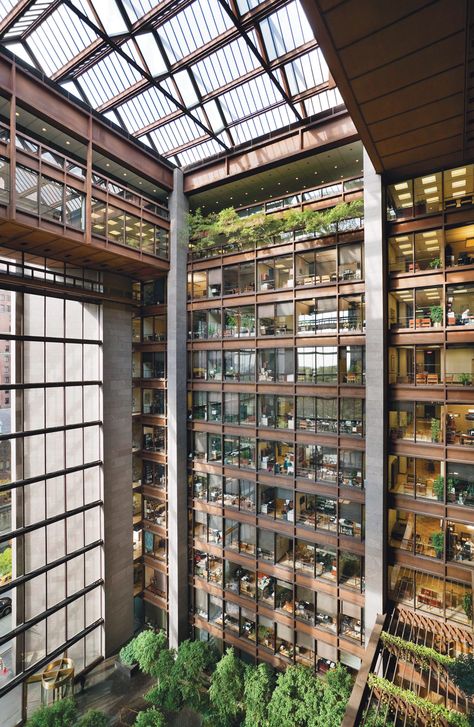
189 78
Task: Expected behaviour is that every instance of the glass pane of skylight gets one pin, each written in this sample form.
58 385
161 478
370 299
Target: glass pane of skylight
257 94
107 79
19 50
226 64
263 124
285 30
175 134
192 28
29 16
214 116
186 88
199 152
306 72
136 9
110 16
144 109
60 37
323 101
151 53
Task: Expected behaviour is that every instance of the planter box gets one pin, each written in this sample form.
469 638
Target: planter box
125 669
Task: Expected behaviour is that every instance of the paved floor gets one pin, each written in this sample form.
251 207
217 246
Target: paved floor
115 694
121 697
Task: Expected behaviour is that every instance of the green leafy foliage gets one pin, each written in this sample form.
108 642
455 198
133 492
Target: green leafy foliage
144 650
150 718
6 563
182 677
259 682
93 718
226 229
295 701
461 672
377 717
418 653
435 714
60 714
337 690
194 660
226 693
301 699
127 653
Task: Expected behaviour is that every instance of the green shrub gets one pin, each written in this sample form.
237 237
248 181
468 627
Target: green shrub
150 718
93 718
59 714
144 650
435 714
127 653
461 672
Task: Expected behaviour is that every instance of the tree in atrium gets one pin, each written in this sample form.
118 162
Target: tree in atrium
226 693
259 682
150 718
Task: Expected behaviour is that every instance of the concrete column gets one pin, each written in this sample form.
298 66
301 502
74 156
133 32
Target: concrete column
375 306
177 434
117 456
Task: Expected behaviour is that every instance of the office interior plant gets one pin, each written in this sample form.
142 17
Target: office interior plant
436 314
467 605
437 541
438 487
435 430
435 263
465 379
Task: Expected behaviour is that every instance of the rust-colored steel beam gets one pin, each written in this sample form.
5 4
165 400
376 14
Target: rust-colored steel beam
299 142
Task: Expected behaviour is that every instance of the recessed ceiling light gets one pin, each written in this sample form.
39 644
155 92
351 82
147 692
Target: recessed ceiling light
357 160
155 191
335 166
278 183
429 180
140 182
458 172
107 165
17 113
296 177
44 128
231 198
68 142
261 187
315 172
125 174
402 185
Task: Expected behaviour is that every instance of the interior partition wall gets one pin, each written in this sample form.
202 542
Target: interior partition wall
50 490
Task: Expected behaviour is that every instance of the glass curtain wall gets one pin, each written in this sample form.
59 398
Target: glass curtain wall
50 489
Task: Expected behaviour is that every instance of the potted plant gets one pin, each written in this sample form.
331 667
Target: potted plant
437 541
436 315
435 263
467 605
465 379
438 487
435 430
127 662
